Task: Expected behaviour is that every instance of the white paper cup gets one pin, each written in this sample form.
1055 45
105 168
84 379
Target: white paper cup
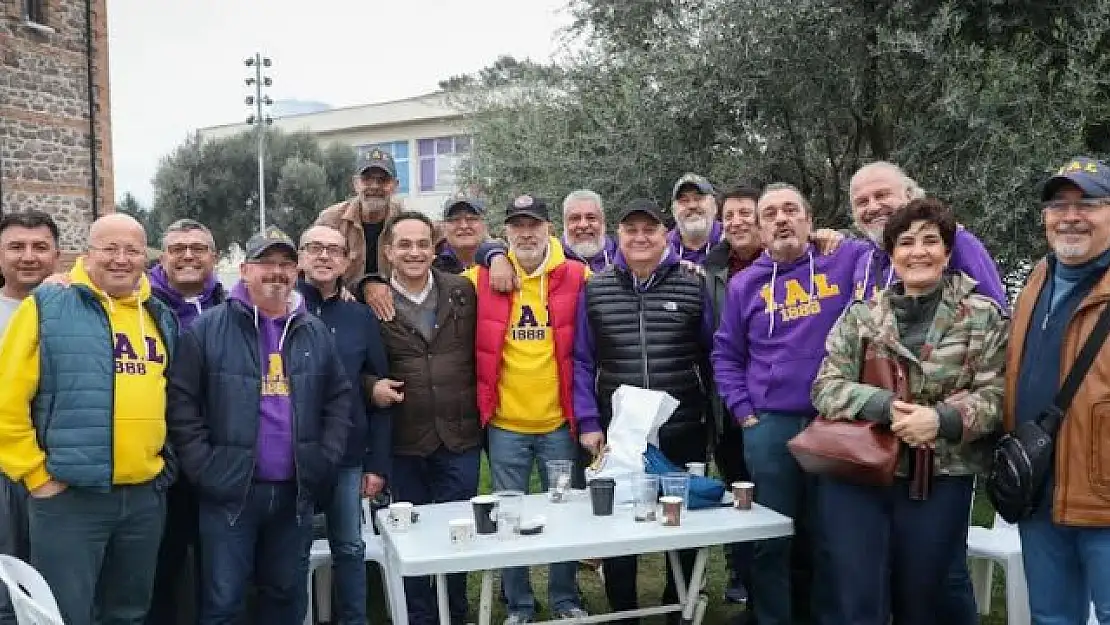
462 532
695 468
400 516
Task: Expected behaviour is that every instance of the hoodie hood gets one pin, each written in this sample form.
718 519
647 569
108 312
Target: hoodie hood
186 309
79 276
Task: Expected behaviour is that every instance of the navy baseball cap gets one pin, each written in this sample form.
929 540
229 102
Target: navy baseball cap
268 239
1090 175
642 207
457 205
692 180
377 159
528 205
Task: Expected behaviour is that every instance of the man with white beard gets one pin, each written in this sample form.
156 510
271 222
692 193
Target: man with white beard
696 228
584 237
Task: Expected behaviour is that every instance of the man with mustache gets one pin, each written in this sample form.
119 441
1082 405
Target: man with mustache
185 280
696 229
525 371
28 254
766 353
82 425
259 413
584 237
465 235
1066 541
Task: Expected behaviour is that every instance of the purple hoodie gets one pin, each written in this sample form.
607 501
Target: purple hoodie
766 361
186 311
274 443
586 410
600 261
697 256
874 272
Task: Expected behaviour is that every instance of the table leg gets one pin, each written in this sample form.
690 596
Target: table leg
679 576
485 599
441 599
693 593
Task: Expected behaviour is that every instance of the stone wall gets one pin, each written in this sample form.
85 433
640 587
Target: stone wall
45 154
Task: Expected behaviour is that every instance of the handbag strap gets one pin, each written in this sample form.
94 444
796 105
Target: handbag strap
1050 420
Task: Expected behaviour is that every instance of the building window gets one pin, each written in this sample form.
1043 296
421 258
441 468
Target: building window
34 12
400 152
440 159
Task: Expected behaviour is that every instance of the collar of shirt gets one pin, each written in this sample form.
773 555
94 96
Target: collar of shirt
415 298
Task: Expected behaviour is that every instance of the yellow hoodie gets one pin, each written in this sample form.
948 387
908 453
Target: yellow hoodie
528 389
139 423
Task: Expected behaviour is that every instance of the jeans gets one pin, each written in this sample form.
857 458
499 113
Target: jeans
956 605
894 553
348 551
266 541
98 551
13 535
781 485
442 476
1067 568
511 460
729 457
174 566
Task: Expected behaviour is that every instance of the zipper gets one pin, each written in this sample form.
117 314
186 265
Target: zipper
643 337
112 397
234 518
701 382
597 382
287 362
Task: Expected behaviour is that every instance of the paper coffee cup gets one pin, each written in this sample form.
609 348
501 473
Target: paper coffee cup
672 511
695 468
485 513
743 494
462 532
400 516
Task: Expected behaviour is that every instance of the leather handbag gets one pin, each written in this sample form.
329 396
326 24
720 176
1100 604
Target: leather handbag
857 451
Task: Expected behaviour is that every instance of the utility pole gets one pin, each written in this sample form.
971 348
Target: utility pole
260 120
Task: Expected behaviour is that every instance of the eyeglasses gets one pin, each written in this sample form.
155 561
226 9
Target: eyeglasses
113 251
405 245
1084 205
318 249
284 265
197 249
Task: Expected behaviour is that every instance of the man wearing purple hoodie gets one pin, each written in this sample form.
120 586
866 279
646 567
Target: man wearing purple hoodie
696 229
584 237
259 413
765 357
185 280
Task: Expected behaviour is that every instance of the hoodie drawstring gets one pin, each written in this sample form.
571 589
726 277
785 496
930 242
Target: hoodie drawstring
867 275
771 286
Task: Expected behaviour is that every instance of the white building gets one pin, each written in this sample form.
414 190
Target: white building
424 135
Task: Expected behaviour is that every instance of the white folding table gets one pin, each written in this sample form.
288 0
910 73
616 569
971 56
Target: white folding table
572 533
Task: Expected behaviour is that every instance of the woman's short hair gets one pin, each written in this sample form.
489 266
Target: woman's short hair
928 209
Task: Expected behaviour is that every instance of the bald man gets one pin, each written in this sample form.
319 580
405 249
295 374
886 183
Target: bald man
83 426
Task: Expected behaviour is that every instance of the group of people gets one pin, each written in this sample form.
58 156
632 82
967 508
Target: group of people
371 356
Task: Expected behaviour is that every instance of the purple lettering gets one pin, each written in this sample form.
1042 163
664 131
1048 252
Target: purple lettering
123 347
152 351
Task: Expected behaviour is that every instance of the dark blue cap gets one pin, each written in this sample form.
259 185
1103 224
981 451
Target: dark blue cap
1090 175
454 205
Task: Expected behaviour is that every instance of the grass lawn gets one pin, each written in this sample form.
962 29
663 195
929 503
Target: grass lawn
651 580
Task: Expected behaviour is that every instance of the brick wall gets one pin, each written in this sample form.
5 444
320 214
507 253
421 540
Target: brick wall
45 152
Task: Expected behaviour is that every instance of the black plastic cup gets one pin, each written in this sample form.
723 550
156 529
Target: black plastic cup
601 495
485 507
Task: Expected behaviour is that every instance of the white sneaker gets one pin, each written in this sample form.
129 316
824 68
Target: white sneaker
572 613
518 618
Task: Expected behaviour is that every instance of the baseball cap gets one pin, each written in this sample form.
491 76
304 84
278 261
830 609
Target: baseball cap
691 179
527 205
1090 175
643 207
455 205
269 238
377 159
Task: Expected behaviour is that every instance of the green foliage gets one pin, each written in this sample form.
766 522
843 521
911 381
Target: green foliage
216 183
977 99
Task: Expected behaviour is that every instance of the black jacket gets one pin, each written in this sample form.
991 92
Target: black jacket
358 337
214 392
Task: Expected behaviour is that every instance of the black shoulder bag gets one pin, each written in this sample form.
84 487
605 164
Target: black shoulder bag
1023 458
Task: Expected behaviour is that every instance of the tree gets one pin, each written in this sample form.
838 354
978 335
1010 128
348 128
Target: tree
977 99
129 205
216 183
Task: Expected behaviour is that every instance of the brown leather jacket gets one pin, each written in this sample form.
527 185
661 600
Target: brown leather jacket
1082 494
345 218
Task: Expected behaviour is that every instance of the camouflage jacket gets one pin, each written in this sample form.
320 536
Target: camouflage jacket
960 365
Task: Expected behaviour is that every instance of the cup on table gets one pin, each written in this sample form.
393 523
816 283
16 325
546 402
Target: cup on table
602 490
695 468
400 516
558 480
462 532
485 513
510 508
743 493
645 497
676 485
671 515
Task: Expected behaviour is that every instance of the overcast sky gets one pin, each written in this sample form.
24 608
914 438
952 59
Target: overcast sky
178 66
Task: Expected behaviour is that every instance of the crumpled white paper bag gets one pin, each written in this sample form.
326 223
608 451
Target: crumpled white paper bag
638 413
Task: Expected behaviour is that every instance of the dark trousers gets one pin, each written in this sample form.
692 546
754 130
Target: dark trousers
175 568
893 554
957 601
98 551
683 445
13 535
728 453
266 540
442 476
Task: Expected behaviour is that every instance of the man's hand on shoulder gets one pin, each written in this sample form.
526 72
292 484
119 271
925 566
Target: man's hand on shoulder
380 299
502 276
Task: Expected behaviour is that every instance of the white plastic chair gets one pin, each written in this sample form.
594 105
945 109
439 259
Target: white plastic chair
31 597
999 544
319 568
